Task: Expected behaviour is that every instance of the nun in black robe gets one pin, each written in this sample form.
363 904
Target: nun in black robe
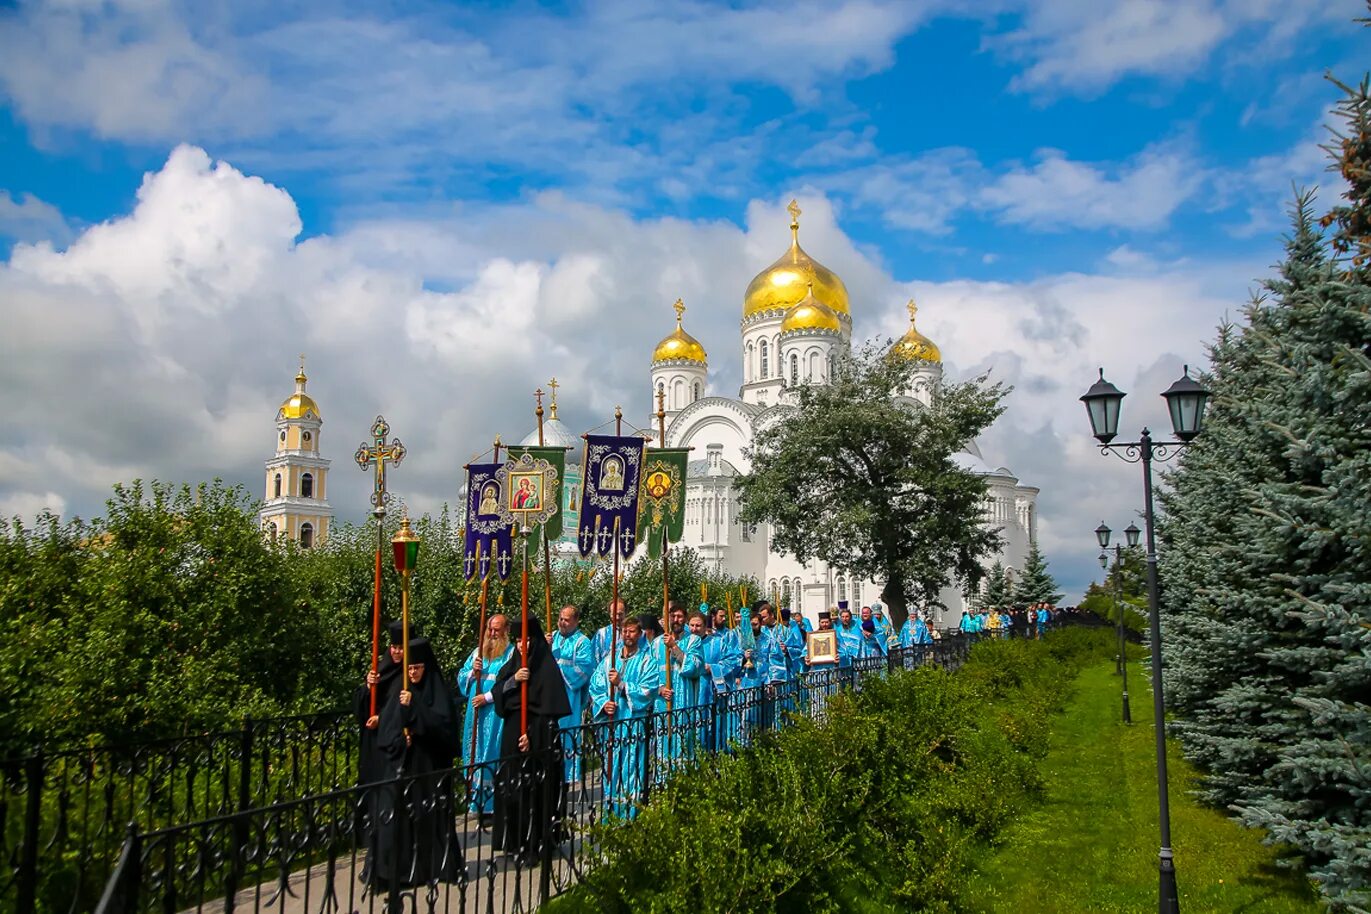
372 763
418 844
528 783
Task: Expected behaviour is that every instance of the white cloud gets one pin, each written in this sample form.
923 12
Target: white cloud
1056 192
1084 47
929 192
32 219
598 96
28 505
142 352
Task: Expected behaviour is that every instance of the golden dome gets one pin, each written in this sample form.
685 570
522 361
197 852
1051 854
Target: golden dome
678 344
914 345
783 284
299 404
811 314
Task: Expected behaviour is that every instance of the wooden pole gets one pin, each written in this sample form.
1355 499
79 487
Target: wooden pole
523 644
547 551
666 589
480 637
376 604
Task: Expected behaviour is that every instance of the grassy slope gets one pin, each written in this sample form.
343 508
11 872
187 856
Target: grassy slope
1092 844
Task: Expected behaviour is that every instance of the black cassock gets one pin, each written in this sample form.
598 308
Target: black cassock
528 785
417 844
372 763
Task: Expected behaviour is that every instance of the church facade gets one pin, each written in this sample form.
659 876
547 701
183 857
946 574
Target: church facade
796 323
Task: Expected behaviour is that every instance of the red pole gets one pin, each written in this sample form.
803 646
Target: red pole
376 618
480 634
523 651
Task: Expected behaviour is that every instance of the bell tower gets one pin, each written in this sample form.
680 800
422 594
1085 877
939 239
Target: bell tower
296 505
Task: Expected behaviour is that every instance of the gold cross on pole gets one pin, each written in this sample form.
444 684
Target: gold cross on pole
378 453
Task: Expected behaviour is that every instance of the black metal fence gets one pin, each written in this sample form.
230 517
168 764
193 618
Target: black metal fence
425 841
64 814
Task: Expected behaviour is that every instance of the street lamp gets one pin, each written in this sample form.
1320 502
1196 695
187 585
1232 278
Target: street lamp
1121 666
1185 401
405 547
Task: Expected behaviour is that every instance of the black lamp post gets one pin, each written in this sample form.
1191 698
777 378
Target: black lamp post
1102 534
1185 400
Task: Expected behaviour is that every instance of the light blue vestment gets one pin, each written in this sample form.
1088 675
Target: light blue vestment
488 723
575 658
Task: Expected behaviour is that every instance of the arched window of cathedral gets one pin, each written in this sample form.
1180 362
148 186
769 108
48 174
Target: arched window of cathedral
762 348
307 437
697 392
575 498
273 530
814 374
747 363
857 592
842 588
283 437
307 485
794 369
799 592
830 366
307 535
278 485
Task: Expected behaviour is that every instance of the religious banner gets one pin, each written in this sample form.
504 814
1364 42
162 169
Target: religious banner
535 489
663 498
487 538
613 465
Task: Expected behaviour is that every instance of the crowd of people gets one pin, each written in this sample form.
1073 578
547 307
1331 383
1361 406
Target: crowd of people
495 720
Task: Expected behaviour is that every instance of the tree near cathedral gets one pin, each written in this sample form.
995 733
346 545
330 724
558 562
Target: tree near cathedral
997 592
1036 584
862 477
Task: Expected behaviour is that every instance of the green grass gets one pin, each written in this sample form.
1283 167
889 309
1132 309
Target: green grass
1092 844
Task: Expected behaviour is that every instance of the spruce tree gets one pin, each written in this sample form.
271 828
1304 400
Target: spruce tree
1036 585
1316 523
997 592
1267 550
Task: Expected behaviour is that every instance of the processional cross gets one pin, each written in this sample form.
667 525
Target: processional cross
378 453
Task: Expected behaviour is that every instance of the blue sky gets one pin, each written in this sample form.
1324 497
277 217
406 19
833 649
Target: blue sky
1061 182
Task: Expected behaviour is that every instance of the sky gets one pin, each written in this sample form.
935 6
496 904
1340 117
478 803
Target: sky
444 205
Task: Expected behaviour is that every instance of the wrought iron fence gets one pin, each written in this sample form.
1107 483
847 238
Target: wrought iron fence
63 814
424 842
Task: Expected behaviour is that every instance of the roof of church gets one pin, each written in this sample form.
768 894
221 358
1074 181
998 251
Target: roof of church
556 434
701 468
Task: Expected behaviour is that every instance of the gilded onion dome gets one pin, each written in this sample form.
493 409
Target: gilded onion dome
914 345
811 314
678 344
783 284
300 405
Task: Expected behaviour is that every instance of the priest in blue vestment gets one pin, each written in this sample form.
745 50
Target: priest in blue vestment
621 697
576 660
475 681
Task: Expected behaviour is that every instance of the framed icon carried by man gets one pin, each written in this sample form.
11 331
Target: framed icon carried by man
822 647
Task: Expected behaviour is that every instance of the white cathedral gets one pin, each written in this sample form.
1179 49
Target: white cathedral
796 322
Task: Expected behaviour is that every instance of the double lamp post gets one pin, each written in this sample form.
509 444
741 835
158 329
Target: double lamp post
1185 401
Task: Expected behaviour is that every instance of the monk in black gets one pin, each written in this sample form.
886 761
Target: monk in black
419 735
371 761
529 780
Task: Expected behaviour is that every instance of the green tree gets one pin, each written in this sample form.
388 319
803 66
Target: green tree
857 476
998 591
1036 584
1266 559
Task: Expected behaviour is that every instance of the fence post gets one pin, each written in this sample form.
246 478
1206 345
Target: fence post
649 752
552 786
33 822
239 830
121 892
